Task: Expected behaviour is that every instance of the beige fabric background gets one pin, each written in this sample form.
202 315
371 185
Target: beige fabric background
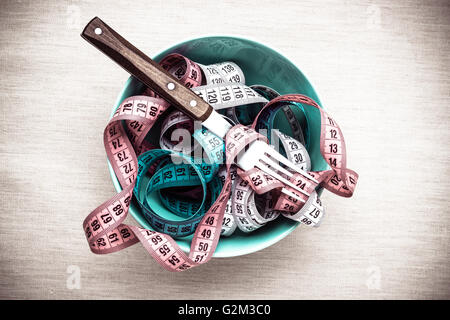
380 67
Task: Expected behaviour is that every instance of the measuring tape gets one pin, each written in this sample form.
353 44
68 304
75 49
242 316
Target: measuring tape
209 197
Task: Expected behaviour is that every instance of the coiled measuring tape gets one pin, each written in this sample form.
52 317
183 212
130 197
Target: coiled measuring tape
230 198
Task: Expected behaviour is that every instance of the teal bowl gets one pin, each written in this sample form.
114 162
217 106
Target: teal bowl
261 65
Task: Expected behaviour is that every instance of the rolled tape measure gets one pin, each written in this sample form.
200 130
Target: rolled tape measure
195 179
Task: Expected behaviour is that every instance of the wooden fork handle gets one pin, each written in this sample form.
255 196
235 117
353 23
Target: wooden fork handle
104 38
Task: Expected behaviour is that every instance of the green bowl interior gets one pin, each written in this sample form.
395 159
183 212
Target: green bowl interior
261 65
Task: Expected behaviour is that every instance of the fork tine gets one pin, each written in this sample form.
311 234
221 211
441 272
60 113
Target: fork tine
279 177
275 165
291 194
274 154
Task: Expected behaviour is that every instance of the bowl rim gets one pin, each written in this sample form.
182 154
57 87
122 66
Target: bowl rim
141 220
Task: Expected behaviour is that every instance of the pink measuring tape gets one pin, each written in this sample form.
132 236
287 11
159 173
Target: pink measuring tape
246 201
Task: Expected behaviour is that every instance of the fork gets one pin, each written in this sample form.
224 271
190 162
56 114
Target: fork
259 154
